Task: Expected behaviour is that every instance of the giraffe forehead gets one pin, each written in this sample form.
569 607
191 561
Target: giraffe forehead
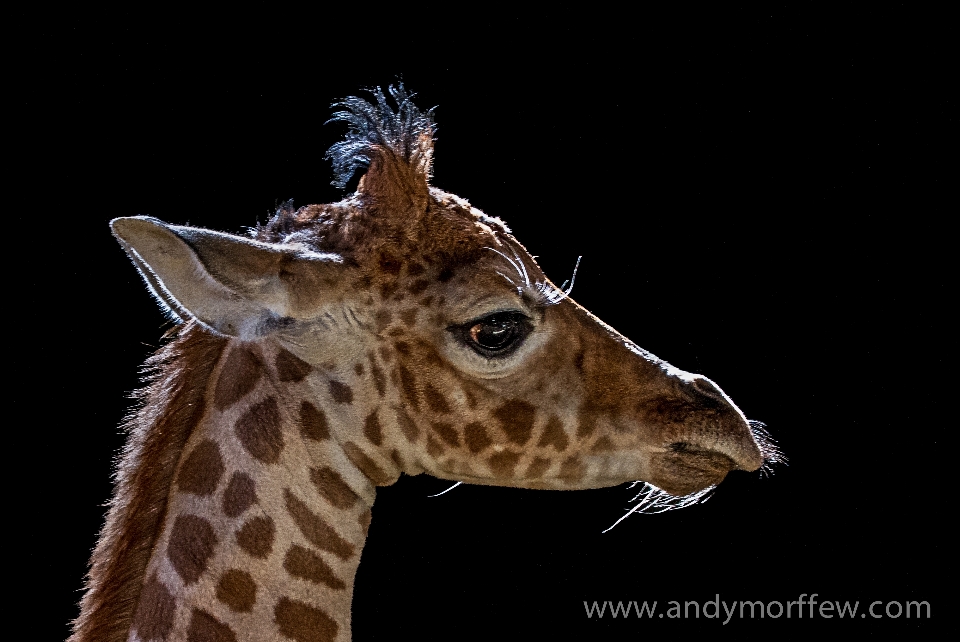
450 232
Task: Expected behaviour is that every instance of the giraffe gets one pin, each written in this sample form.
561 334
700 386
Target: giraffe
400 330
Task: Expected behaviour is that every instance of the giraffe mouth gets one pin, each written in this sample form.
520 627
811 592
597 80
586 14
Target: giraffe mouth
685 468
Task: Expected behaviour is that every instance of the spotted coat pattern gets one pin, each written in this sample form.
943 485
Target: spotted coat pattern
339 362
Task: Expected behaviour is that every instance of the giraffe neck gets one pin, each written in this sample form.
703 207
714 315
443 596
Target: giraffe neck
268 510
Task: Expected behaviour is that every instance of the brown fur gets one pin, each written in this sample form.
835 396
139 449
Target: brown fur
173 401
192 543
304 623
202 469
238 590
304 563
317 531
240 495
206 628
256 536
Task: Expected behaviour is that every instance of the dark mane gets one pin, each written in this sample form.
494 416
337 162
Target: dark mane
394 142
172 405
406 132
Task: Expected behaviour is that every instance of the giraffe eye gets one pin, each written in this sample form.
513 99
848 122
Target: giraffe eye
495 335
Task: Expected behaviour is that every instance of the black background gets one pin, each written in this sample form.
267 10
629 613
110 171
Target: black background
757 196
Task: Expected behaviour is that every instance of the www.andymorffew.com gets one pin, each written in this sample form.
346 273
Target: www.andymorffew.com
807 607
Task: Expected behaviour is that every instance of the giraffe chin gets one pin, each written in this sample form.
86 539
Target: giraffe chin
687 471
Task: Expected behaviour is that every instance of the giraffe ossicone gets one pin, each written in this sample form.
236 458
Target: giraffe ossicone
400 330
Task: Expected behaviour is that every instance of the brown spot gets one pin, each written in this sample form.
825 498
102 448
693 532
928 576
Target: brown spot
358 369
372 430
202 469
366 465
516 417
237 590
258 429
313 423
409 317
385 353
304 563
586 425
415 269
341 392
390 264
435 400
378 379
434 449
256 536
240 373
537 467
447 433
331 487
409 387
572 470
554 435
317 531
502 464
402 346
382 318
364 519
417 287
291 367
304 623
155 610
408 426
578 361
397 459
387 289
602 445
445 274
191 545
476 437
425 302
429 353
240 495
206 628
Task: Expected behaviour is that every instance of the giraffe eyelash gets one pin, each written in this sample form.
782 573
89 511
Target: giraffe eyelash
541 293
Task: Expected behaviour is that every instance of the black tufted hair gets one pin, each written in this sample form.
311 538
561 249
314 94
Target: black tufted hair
377 127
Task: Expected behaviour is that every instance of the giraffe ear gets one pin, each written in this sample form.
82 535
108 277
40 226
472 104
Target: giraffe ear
234 285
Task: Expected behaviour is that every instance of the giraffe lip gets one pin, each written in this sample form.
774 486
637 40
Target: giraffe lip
685 468
701 458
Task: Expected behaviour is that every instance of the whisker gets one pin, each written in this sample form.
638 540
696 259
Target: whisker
771 452
653 500
446 491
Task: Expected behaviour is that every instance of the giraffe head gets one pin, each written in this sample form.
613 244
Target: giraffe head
432 340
